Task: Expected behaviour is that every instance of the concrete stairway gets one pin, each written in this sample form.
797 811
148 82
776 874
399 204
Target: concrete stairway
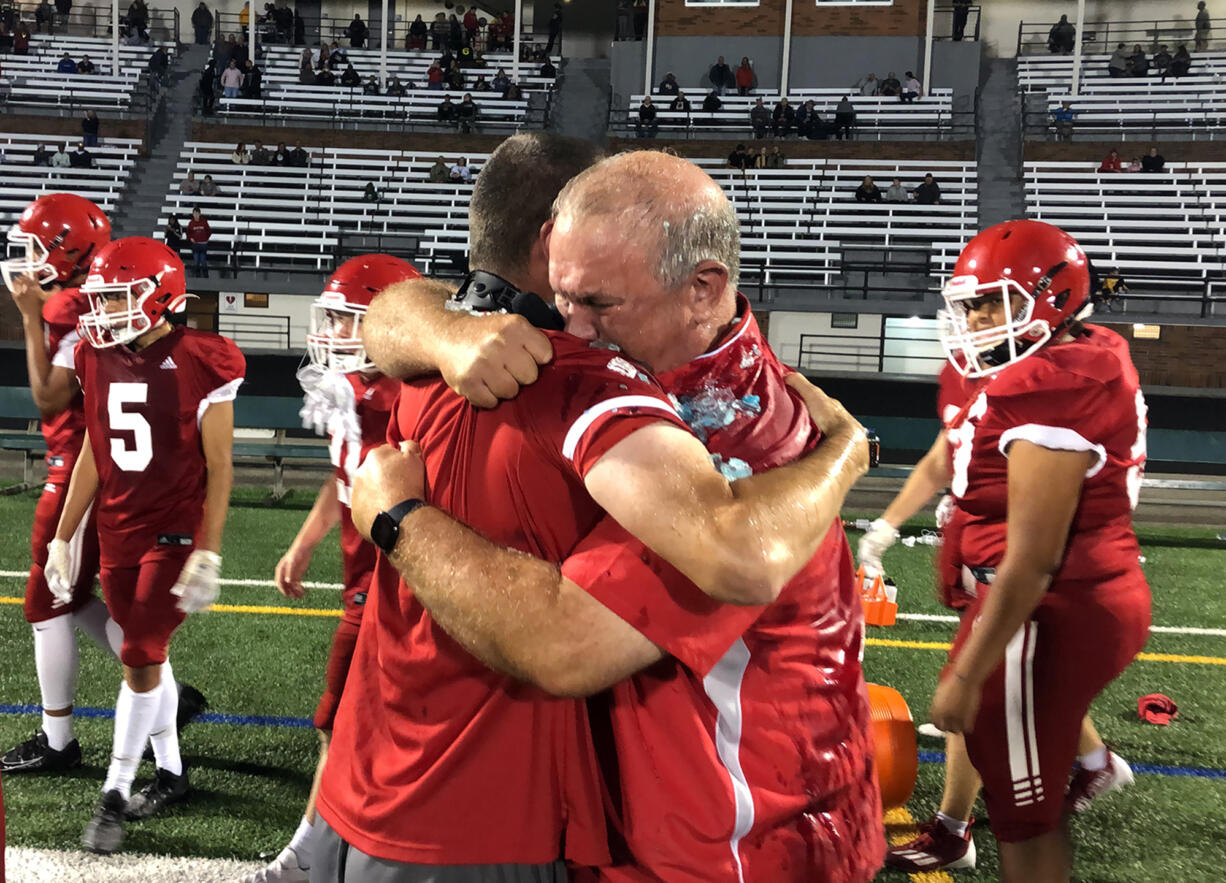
582 106
998 144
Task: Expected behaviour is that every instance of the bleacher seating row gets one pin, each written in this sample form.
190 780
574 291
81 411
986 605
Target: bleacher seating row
25 182
1039 73
876 115
296 217
33 79
1162 231
805 215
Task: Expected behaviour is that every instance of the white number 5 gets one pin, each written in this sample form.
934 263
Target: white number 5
136 458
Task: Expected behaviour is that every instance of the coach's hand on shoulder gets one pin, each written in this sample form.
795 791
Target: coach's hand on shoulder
389 475
832 418
58 572
492 356
196 587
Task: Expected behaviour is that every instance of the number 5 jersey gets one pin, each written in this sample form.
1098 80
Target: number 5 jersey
142 412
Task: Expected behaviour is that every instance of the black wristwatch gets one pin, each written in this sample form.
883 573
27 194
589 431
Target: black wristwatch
385 530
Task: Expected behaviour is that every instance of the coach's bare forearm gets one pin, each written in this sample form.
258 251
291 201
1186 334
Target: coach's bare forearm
405 325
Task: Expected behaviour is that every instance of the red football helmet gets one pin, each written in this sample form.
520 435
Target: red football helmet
334 341
1032 261
60 234
147 275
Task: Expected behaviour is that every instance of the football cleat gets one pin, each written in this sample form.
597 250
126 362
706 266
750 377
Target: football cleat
1089 784
166 788
283 869
104 833
936 848
35 756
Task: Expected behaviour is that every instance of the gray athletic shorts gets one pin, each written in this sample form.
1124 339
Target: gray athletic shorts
335 861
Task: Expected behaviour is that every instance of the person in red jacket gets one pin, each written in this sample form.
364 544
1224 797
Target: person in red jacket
1111 162
198 234
744 77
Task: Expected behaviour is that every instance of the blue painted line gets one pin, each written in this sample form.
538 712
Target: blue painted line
1195 772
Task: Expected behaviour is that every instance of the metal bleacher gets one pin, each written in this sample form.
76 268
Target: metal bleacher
25 182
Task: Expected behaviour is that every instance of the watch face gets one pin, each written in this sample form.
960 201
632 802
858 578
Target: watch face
383 532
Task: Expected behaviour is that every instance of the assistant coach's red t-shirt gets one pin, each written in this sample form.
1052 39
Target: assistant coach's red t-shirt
435 758
746 755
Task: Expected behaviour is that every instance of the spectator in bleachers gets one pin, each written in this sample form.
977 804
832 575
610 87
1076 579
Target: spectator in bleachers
481 84
42 156
417 33
1153 161
548 70
260 155
896 192
1202 27
513 92
759 119
461 172
1134 165
206 87
138 14
240 156
244 16
350 77
1161 61
321 56
711 103
357 32
81 158
6 38
962 9
231 79
370 193
42 16
189 186
1111 287
647 126
396 87
1062 37
434 76
208 187
21 39
299 29
62 10
173 232
844 118
1062 121
337 57
471 26
85 66
466 113
306 69
928 192
911 88
60 159
371 86
668 85
783 119
868 85
1111 162
455 33
721 76
891 86
1181 63
90 125
198 234
739 158
202 23
759 158
1138 64
66 65
438 32
280 156
501 81
440 172
775 159
299 158
446 110
801 120
555 27
680 103
1117 65
134 36
745 77
159 64
868 191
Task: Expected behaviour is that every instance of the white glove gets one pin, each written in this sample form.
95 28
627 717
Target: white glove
197 583
58 572
879 537
945 510
327 399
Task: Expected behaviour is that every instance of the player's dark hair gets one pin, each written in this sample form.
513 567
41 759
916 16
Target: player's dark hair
514 194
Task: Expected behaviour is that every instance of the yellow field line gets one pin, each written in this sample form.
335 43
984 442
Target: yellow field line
872 642
900 828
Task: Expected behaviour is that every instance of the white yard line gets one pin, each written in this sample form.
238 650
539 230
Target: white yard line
26 865
923 617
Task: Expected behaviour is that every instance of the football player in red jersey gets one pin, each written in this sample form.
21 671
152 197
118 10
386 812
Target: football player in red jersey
349 400
1048 453
57 236
159 421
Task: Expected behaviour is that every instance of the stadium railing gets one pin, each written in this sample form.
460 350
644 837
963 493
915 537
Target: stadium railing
1103 36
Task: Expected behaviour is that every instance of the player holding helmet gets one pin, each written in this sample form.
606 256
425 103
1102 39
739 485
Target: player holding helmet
1047 458
57 236
159 420
349 400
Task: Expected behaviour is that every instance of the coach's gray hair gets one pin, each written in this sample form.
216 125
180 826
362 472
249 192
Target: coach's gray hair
673 205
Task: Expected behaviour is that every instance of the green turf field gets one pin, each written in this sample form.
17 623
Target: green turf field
250 780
